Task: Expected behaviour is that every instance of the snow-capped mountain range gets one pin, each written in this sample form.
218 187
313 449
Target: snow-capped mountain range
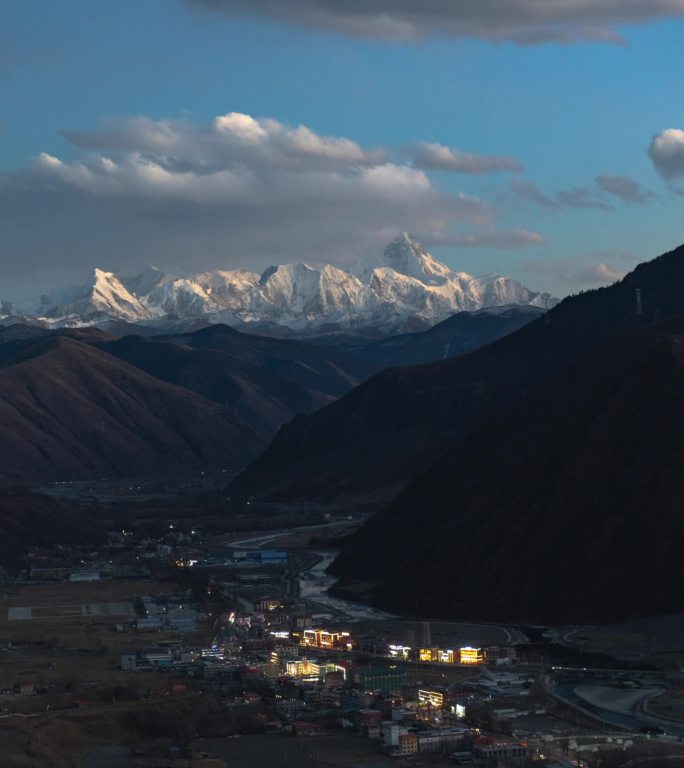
403 287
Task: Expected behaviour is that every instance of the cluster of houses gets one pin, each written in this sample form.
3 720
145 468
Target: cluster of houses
124 555
380 703
172 613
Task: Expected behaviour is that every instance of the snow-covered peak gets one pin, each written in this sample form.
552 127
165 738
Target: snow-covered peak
498 290
404 283
179 297
144 282
296 288
102 294
406 256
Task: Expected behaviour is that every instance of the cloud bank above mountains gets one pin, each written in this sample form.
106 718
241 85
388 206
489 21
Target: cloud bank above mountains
526 22
241 191
238 190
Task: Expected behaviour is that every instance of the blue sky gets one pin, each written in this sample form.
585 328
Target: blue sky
567 112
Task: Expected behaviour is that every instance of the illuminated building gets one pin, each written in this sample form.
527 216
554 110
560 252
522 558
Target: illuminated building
472 655
326 639
321 638
465 655
303 669
308 670
399 652
268 604
434 699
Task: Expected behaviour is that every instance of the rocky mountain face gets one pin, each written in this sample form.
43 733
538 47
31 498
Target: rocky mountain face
404 288
565 508
395 425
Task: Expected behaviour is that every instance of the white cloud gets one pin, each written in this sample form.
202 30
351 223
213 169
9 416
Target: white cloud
667 153
135 174
438 157
237 191
228 140
526 22
243 126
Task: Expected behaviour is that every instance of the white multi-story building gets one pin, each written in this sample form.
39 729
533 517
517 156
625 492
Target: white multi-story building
391 731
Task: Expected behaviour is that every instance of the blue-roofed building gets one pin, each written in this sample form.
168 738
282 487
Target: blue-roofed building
267 555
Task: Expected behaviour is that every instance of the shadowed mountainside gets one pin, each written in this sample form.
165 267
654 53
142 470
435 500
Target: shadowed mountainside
567 509
391 428
262 382
461 333
70 411
328 371
266 382
260 398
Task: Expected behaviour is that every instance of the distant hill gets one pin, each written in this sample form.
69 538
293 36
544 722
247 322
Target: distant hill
319 370
565 509
458 334
82 402
263 382
392 427
71 411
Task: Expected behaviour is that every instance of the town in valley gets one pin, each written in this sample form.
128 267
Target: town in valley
211 648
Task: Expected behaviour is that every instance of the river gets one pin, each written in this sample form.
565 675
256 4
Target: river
315 583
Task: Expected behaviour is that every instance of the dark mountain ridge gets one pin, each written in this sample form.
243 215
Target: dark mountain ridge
267 382
392 427
458 334
260 398
567 509
260 382
70 411
322 370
